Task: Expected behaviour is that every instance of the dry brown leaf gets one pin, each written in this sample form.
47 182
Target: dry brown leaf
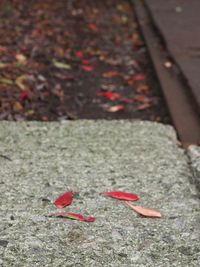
17 107
21 59
19 81
146 212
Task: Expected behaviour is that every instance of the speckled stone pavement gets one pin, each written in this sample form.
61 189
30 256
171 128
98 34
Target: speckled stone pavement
89 157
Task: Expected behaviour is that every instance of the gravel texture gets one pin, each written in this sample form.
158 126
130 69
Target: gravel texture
89 157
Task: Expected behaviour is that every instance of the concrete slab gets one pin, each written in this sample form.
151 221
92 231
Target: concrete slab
90 157
194 157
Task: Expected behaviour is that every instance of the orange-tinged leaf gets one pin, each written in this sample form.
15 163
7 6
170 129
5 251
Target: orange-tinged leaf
111 74
3 65
145 212
143 88
17 107
141 99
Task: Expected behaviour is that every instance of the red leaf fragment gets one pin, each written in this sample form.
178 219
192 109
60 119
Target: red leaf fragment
86 62
145 212
73 216
139 77
121 195
64 200
24 95
93 27
90 219
87 68
109 95
115 108
79 54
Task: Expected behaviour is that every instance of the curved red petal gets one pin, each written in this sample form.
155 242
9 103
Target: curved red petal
64 200
90 219
121 195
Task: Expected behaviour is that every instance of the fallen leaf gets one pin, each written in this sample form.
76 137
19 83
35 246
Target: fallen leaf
64 200
141 99
121 195
17 107
143 88
93 27
115 108
87 68
79 54
30 112
86 62
143 106
3 65
111 74
145 212
6 81
21 59
73 216
3 49
24 95
136 40
109 95
139 77
19 81
61 65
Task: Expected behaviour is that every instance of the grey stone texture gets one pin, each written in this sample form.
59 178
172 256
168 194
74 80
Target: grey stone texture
194 160
90 157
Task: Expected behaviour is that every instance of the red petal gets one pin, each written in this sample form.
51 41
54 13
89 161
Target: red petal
87 68
64 200
121 195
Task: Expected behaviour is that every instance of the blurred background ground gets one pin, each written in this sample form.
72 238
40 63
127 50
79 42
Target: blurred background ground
73 60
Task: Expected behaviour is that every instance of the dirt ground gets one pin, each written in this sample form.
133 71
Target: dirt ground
73 60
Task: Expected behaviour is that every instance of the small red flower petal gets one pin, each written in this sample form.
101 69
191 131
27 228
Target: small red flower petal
64 200
121 195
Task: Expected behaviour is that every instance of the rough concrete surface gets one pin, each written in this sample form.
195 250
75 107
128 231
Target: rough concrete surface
89 157
194 158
